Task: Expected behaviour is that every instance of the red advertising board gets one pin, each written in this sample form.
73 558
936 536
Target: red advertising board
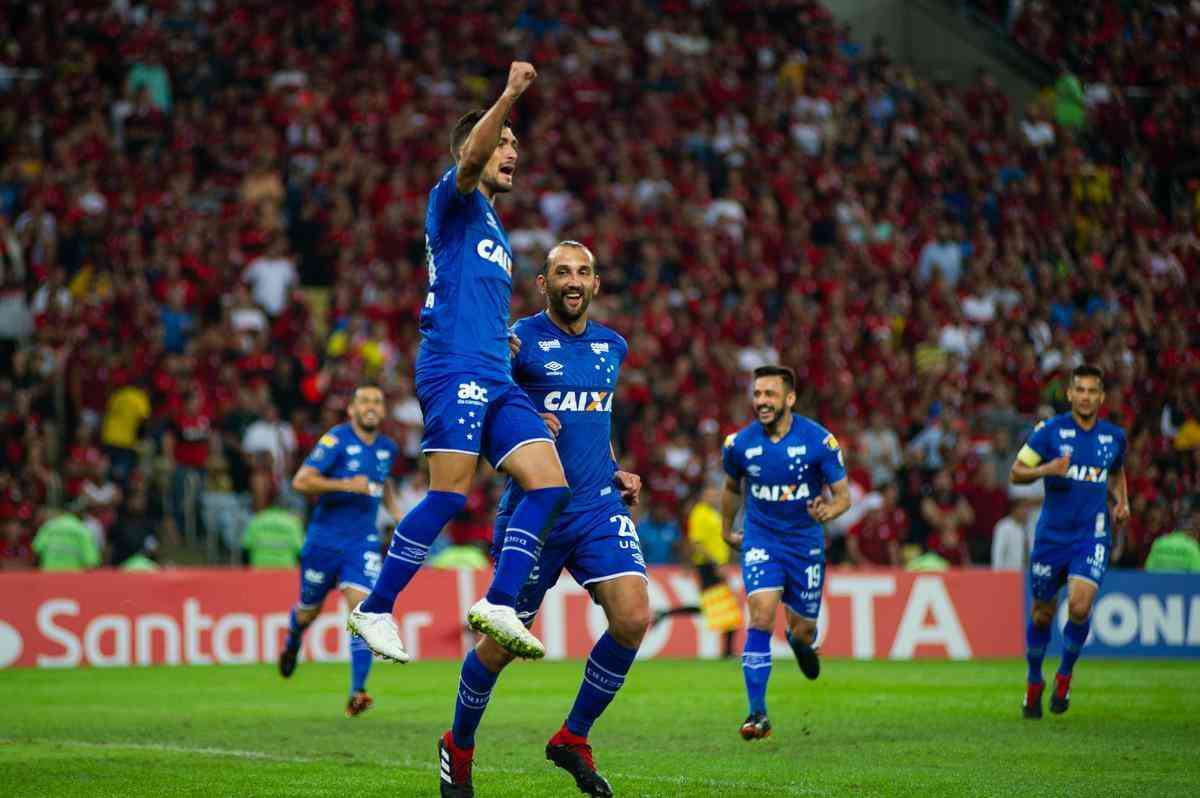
203 616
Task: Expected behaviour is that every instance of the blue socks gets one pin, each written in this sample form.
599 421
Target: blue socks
1036 638
1074 636
756 668
410 544
603 675
474 690
523 542
295 632
360 664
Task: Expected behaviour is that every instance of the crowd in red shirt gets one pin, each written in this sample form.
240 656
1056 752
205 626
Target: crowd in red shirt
755 185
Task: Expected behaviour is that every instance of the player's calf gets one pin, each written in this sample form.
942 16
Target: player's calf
801 642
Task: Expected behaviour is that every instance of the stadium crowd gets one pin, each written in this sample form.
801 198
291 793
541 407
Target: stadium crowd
211 228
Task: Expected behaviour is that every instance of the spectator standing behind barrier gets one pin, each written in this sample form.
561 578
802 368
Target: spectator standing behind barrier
64 543
658 535
273 539
1012 538
875 540
948 515
1178 551
127 409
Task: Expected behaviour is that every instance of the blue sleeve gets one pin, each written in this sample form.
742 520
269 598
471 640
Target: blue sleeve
521 360
833 467
731 458
1041 441
1119 461
325 454
444 200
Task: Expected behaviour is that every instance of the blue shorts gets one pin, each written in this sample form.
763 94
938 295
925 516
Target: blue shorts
476 414
1052 563
791 567
594 546
324 567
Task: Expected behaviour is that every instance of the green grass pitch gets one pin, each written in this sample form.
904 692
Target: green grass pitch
865 728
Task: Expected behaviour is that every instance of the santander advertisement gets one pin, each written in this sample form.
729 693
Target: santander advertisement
204 617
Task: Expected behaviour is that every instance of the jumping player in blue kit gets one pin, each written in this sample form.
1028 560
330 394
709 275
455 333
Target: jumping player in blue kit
464 383
348 470
785 462
1082 459
569 366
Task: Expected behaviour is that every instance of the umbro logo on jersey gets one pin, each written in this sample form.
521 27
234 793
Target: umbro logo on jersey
754 470
554 368
753 451
600 348
1066 433
553 343
492 221
797 451
353 449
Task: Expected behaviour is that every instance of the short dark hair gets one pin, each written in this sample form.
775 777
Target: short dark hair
463 127
567 243
367 385
783 372
1088 371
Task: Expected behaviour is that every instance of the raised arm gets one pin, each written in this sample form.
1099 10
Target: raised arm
482 141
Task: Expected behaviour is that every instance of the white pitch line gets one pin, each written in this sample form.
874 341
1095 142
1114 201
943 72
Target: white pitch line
406 763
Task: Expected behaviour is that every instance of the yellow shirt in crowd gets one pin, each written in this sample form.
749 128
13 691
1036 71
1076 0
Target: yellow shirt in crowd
704 532
127 409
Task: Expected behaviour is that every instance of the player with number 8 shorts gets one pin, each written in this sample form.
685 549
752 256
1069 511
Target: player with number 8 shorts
786 462
1081 457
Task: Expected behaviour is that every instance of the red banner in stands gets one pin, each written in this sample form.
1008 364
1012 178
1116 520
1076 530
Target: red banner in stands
201 616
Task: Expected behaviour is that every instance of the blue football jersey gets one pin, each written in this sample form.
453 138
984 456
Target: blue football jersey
574 377
781 478
341 518
465 317
1076 505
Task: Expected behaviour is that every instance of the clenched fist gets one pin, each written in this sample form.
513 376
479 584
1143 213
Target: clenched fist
1058 466
520 75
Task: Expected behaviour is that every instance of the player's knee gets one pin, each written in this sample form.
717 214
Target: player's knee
306 615
1042 615
631 627
1079 609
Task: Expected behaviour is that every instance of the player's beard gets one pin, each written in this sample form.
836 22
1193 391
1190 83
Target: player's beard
364 425
558 303
776 415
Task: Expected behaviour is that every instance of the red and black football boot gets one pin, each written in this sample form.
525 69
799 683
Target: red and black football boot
358 704
1032 708
573 754
1060 699
454 765
756 727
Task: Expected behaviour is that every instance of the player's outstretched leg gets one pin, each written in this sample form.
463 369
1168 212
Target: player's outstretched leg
1037 636
1074 635
756 669
494 614
603 676
298 622
372 619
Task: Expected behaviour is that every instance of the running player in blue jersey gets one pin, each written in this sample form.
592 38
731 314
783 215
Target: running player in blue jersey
348 472
464 384
569 366
786 462
1082 458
